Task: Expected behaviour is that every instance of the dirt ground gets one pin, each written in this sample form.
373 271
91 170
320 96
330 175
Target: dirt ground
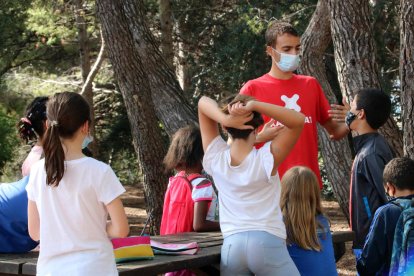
134 203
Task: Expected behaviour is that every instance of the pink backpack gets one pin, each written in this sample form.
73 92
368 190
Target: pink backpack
178 211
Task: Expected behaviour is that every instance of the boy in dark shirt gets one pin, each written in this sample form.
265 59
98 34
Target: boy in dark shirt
370 109
399 183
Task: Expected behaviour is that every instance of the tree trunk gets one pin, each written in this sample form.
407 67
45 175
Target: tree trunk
87 85
166 27
131 73
166 92
183 67
85 62
407 74
315 41
355 56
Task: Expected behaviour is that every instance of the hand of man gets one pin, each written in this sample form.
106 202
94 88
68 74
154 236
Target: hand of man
338 112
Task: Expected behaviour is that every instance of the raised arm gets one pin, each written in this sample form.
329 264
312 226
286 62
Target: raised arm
293 121
209 115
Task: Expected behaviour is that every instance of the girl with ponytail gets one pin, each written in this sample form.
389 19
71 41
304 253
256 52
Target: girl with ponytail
70 197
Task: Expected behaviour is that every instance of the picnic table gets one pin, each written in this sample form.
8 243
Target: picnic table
207 258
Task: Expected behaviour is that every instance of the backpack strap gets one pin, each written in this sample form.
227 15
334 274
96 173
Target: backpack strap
403 203
187 180
191 177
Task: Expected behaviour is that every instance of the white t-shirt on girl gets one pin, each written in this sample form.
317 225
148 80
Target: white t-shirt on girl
73 216
203 190
248 195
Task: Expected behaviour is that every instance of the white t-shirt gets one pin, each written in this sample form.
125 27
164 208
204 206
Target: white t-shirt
73 238
248 195
34 155
203 191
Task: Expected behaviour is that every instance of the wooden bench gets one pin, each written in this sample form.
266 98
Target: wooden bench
338 239
208 258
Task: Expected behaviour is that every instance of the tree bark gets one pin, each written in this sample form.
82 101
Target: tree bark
85 63
407 74
131 73
95 69
184 68
315 41
166 92
355 56
166 27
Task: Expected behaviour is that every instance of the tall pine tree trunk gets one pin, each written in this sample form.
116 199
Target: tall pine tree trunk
355 56
184 50
85 62
315 41
166 27
131 74
407 74
166 92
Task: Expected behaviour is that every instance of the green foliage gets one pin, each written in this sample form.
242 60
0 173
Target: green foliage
8 138
387 41
226 41
327 192
114 135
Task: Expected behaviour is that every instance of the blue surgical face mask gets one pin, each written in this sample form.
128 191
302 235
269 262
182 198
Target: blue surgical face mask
287 62
88 139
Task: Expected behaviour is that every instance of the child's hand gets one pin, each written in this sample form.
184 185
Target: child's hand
238 121
269 132
238 109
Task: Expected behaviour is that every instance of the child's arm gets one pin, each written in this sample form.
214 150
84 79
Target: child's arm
200 224
293 121
118 226
33 220
209 114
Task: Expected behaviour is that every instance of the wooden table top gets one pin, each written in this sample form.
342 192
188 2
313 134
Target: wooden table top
209 253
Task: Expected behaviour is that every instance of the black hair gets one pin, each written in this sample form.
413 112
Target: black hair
31 126
400 172
186 149
66 113
376 104
256 121
278 28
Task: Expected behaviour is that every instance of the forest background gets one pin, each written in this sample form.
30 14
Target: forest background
143 65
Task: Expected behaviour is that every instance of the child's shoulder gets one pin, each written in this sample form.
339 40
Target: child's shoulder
392 209
95 164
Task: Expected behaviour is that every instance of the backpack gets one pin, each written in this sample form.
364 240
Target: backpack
178 210
402 258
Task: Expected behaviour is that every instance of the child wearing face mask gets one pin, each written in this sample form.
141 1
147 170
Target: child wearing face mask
71 195
381 245
370 109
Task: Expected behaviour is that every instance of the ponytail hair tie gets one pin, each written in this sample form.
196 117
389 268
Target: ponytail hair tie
25 120
54 123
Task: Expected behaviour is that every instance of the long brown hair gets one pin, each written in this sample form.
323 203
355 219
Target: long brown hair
300 204
66 113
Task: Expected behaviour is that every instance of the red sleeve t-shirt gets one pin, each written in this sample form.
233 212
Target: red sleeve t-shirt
303 94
